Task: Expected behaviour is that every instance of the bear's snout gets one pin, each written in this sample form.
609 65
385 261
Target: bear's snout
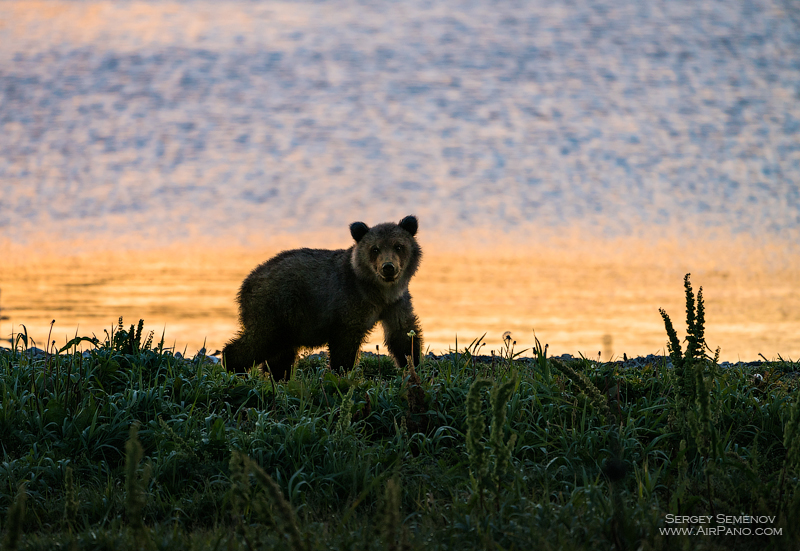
388 271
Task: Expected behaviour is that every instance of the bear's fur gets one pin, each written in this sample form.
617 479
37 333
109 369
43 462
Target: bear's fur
312 297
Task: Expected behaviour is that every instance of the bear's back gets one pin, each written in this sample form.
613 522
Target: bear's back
288 270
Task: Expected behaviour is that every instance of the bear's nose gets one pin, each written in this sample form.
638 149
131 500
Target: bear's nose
388 269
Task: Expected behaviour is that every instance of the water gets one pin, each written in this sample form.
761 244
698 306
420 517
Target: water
258 118
588 304
666 135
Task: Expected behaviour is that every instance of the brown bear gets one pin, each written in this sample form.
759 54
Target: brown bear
312 297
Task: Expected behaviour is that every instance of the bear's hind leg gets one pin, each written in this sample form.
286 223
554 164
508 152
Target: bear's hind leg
280 364
240 355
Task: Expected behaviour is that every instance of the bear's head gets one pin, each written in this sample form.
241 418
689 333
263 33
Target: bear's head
387 253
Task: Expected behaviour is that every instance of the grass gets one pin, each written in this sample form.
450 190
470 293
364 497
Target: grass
129 446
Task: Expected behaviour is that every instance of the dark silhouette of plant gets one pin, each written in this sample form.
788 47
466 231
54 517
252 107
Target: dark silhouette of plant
695 374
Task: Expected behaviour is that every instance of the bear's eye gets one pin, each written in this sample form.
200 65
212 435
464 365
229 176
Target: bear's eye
375 250
398 248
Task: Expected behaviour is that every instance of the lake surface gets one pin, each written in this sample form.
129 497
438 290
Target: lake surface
145 122
576 303
568 162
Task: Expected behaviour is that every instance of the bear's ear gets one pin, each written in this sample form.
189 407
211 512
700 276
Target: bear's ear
409 223
358 230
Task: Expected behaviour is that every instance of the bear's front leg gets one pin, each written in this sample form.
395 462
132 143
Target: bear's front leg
398 320
344 350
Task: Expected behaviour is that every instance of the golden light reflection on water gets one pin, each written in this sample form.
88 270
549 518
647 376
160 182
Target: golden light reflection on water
575 301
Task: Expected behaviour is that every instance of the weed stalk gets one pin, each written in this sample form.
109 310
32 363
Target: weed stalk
14 519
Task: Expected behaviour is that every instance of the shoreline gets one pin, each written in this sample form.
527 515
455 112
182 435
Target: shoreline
649 360
589 296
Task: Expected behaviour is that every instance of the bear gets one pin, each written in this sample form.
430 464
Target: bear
306 298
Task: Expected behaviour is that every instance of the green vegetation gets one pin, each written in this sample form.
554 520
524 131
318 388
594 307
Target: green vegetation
130 446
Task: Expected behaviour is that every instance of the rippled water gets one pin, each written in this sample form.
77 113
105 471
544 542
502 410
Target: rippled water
505 127
260 118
